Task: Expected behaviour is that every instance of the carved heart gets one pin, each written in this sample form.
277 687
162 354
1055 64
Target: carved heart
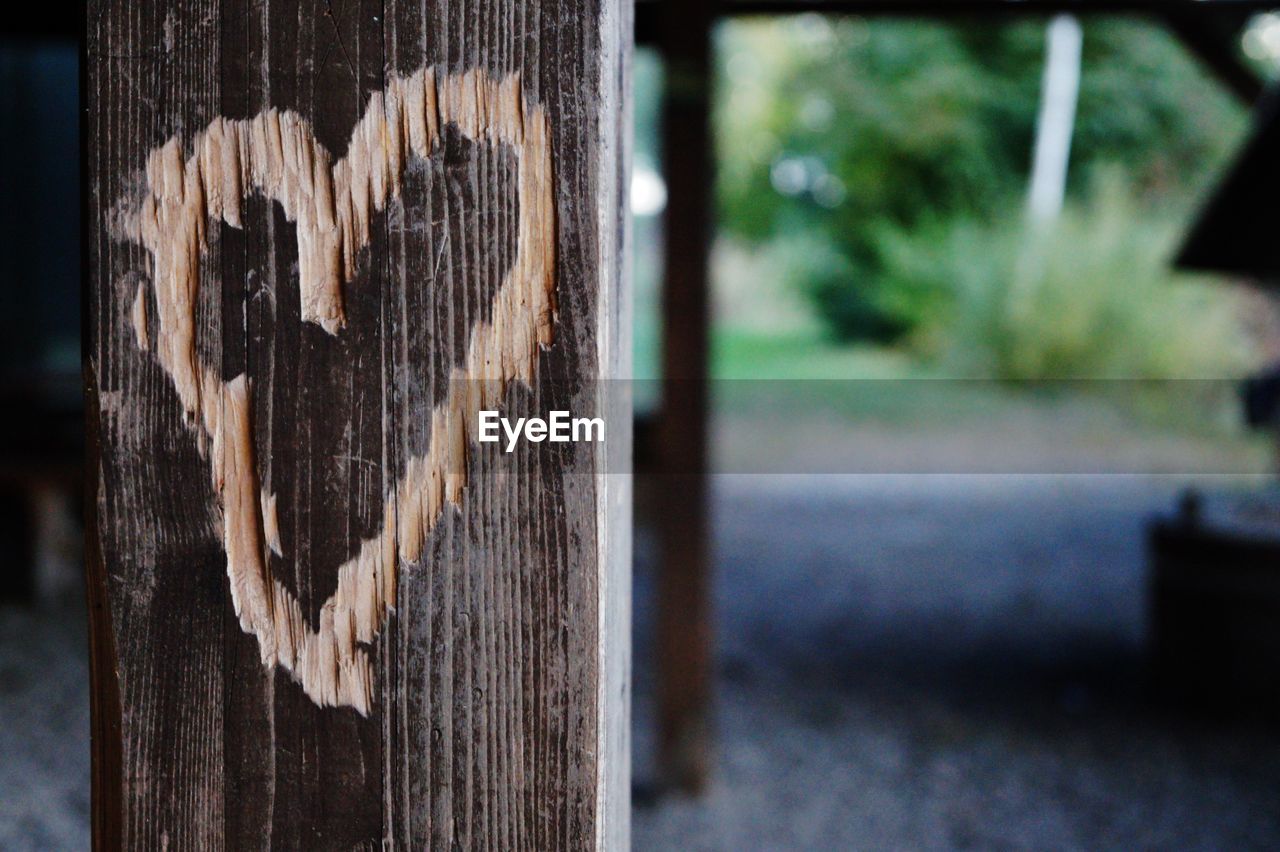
276 155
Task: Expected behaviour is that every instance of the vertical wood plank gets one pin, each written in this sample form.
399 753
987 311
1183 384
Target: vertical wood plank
684 638
317 624
163 563
613 784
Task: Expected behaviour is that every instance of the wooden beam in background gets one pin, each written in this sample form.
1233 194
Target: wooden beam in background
969 7
684 636
650 12
322 614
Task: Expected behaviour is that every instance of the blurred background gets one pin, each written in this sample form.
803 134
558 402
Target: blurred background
990 548
957 520
44 697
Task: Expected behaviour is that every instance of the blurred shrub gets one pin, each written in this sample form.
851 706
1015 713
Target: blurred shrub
828 277
1091 296
911 290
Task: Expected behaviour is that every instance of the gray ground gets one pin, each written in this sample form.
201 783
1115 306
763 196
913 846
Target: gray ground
44 728
947 662
904 662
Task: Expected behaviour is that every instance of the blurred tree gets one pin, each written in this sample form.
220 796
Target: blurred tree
853 133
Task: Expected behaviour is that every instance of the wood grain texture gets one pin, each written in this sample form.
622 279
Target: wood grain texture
499 703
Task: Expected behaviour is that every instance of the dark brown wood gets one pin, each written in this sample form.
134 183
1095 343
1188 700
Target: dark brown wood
496 715
1209 28
684 584
650 13
968 7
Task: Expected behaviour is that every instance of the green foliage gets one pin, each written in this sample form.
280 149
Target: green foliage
847 144
1092 297
646 253
910 294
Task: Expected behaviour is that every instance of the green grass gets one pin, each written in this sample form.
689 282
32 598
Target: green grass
753 355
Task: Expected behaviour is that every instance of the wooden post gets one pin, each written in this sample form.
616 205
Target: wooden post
321 237
684 636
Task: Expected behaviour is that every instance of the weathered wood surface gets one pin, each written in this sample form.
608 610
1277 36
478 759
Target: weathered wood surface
322 615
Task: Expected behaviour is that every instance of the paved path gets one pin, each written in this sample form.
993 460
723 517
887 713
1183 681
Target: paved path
947 662
44 729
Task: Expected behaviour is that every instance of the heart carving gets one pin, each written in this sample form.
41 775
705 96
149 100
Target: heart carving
276 155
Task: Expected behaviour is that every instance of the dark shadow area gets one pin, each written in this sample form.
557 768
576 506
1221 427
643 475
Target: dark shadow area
44 685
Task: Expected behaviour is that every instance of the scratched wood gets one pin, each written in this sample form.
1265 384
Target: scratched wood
498 704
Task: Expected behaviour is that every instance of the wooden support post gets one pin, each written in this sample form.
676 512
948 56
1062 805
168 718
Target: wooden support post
684 643
321 237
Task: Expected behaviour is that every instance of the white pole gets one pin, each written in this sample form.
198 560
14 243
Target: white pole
1059 93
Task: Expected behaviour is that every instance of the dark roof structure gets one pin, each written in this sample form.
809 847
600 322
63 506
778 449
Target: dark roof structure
1238 232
